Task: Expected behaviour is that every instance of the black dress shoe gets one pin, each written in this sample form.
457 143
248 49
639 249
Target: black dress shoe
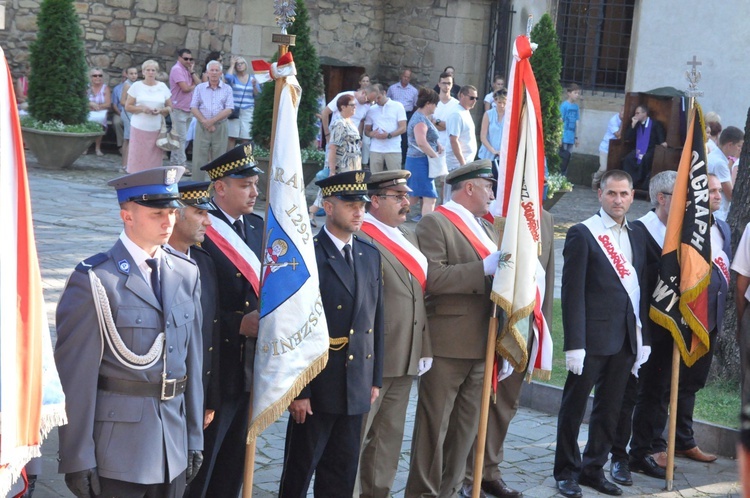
620 473
600 484
499 489
569 488
648 466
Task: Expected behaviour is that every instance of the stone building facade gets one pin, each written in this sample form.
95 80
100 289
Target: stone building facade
381 36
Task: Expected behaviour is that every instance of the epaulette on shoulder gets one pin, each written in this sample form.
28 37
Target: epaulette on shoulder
177 254
365 242
88 263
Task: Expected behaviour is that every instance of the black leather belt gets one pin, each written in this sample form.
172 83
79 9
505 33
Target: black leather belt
163 390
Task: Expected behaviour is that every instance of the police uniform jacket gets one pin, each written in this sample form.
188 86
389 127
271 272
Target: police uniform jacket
128 437
211 331
353 310
458 293
406 330
236 299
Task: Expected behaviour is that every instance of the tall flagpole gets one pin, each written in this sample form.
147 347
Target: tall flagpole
284 11
693 76
490 353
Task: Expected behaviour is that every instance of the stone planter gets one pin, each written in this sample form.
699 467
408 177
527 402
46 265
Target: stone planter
309 169
548 203
56 150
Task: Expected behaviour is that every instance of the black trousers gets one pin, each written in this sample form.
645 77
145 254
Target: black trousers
609 374
224 451
652 407
624 423
327 445
650 413
112 488
641 173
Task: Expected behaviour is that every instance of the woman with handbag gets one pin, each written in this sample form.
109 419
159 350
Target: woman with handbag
422 137
244 88
149 101
344 146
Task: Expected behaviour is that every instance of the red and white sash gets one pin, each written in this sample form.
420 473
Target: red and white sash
721 260
541 350
622 267
404 251
234 248
469 227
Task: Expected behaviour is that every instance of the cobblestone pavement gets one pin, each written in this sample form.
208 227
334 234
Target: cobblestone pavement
76 215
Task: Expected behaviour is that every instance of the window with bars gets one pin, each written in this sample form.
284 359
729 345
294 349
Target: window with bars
595 42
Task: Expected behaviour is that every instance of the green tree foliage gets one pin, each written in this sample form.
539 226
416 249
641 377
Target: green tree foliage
58 82
310 79
547 65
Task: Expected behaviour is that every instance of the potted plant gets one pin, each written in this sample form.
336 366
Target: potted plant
57 129
313 160
555 187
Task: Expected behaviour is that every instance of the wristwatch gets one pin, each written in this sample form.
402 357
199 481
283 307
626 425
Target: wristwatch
390 136
437 121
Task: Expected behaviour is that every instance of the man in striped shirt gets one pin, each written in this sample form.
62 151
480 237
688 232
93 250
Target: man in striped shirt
211 105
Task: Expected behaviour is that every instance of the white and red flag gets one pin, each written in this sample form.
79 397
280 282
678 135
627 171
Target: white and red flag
519 201
31 398
292 345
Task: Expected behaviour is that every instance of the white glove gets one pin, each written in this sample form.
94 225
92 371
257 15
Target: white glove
490 263
645 352
424 365
574 360
504 371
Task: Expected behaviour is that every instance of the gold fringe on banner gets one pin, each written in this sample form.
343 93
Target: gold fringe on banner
273 412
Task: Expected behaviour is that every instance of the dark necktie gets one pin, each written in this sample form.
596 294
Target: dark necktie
348 257
239 227
155 280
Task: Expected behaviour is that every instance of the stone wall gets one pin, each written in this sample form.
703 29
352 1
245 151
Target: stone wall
381 35
123 33
384 36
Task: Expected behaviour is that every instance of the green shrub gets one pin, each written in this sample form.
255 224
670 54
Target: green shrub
547 65
58 82
310 79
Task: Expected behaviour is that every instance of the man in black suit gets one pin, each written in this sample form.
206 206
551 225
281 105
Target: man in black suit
189 231
323 435
647 133
234 242
603 314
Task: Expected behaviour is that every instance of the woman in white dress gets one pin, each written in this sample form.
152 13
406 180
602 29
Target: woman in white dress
148 101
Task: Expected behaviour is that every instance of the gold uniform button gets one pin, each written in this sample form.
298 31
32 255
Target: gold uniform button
369 331
211 348
369 356
351 332
338 307
208 373
226 340
247 303
238 275
351 357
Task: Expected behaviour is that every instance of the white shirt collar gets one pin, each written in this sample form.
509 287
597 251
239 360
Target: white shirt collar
139 255
336 241
230 218
609 222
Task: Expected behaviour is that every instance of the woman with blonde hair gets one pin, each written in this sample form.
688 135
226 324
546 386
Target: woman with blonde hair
149 101
100 100
244 89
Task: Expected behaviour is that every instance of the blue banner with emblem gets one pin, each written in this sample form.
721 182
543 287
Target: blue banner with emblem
292 345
